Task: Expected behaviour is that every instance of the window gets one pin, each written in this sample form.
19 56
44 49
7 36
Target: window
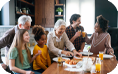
86 8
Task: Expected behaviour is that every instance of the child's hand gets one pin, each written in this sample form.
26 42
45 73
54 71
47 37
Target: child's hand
29 72
39 52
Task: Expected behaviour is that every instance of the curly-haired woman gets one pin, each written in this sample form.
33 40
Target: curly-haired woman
100 40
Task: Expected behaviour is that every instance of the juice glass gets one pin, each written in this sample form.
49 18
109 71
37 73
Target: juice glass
98 65
79 32
83 34
101 55
59 60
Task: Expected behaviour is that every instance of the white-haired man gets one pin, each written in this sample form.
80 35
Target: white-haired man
24 22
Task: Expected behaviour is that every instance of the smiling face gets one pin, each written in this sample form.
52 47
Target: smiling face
25 26
77 22
26 37
41 42
97 28
60 30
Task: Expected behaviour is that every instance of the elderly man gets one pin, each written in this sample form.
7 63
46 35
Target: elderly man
24 22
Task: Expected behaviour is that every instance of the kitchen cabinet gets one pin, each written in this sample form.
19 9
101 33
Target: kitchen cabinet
25 7
44 13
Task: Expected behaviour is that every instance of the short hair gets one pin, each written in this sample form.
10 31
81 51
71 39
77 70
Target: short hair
59 23
74 17
103 23
23 19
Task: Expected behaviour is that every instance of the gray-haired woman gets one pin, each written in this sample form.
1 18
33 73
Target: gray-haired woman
57 40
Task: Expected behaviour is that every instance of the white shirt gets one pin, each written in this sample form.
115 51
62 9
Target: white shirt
51 46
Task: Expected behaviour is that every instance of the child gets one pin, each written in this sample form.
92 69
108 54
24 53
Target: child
42 61
19 54
100 40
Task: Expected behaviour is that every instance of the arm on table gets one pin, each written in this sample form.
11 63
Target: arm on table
109 49
70 46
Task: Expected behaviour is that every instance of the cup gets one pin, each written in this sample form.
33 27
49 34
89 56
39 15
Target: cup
98 65
101 55
93 71
60 60
79 32
83 34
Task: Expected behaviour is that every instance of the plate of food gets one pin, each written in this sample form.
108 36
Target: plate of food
86 53
106 56
56 59
70 63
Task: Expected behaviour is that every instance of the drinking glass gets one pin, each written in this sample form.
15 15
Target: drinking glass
98 65
79 32
60 60
101 55
83 34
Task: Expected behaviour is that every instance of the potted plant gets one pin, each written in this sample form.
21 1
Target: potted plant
59 10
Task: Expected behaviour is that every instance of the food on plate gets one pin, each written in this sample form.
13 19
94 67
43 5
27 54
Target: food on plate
70 62
63 59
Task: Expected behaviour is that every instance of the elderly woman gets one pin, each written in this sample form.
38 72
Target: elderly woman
100 40
57 40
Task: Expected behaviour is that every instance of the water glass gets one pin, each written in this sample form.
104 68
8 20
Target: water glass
60 60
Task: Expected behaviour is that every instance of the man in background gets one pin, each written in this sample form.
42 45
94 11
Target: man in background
73 34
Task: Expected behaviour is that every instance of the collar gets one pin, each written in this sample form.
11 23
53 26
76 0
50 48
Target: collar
57 39
16 28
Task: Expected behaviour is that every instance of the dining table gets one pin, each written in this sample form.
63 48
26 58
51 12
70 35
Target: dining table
107 65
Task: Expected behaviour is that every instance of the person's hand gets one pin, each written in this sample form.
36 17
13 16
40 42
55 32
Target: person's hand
77 53
67 53
80 50
85 35
39 52
4 66
29 72
77 34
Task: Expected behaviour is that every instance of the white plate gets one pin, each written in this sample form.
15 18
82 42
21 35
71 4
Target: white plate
86 53
106 56
63 55
56 59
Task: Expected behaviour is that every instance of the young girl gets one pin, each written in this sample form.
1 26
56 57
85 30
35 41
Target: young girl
100 40
19 54
42 61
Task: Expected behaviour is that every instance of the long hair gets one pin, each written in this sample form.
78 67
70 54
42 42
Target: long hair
18 43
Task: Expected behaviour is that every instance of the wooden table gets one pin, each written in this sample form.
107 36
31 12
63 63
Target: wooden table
107 65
